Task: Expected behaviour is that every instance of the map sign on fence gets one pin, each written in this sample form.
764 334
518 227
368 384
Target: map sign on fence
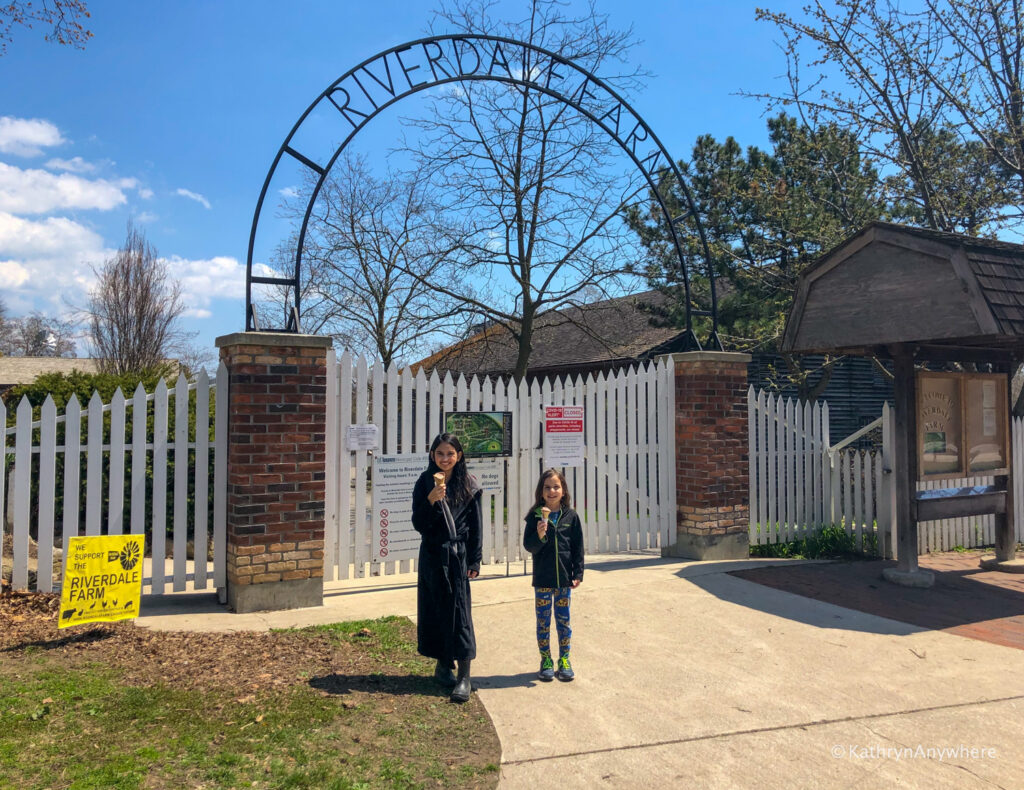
102 579
482 433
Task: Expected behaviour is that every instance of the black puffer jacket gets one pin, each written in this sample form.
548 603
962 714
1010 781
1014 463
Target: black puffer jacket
565 540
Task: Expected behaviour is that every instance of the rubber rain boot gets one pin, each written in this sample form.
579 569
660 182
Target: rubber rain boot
463 685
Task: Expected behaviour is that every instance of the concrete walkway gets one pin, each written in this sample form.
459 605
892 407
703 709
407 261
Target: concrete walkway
688 676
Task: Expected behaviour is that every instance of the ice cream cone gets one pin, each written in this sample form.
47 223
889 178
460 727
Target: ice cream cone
545 512
438 478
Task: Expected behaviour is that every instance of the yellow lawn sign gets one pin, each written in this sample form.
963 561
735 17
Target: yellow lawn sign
102 579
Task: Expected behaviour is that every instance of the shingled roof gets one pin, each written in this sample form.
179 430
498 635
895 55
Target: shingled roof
599 336
893 284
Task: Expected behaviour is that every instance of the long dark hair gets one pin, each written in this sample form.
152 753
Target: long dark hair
459 487
538 495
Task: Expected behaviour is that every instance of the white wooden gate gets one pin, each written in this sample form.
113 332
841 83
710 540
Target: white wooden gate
800 483
625 492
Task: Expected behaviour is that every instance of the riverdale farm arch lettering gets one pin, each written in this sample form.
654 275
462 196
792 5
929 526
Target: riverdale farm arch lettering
389 76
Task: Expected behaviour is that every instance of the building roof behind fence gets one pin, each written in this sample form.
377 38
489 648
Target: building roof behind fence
25 370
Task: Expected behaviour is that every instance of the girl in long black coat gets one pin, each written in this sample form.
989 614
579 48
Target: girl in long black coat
446 511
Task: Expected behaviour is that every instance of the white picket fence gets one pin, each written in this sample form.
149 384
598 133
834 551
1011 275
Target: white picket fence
800 482
115 442
624 492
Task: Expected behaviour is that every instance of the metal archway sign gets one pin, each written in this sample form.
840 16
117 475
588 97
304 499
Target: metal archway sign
378 82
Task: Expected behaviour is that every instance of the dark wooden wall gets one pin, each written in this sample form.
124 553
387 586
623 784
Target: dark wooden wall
854 394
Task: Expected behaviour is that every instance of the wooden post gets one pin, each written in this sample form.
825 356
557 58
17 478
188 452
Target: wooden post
905 452
1006 540
906 572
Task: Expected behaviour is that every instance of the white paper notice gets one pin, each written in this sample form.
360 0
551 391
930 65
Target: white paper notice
563 436
988 394
989 422
489 473
394 477
362 437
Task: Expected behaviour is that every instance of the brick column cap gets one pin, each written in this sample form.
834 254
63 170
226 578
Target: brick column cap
274 339
737 357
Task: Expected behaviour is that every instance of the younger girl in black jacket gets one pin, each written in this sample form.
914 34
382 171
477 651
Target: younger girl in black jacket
554 536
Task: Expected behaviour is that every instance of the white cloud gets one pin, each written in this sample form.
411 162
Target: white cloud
288 192
147 217
146 194
74 165
220 277
194 196
47 263
39 192
12 274
27 137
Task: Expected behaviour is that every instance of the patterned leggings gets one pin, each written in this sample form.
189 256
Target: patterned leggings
561 598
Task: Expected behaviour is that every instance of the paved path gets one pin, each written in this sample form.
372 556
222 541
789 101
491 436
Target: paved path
690 676
965 599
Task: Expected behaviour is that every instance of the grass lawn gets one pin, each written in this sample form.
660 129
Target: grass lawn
350 705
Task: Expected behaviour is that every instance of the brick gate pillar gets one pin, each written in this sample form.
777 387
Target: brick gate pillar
712 473
277 399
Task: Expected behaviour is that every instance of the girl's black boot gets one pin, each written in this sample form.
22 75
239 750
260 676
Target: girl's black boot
463 686
443 674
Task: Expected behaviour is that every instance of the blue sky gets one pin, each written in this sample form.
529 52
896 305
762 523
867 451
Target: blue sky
173 112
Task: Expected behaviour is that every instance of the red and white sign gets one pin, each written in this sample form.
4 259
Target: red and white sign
563 435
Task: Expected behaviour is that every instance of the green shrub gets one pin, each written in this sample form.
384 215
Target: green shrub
828 543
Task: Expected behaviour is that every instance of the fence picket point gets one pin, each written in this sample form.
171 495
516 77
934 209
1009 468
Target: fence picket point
94 466
22 483
180 482
115 489
3 479
158 517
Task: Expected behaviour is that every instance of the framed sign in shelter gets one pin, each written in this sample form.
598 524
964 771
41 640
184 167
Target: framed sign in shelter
962 425
932 306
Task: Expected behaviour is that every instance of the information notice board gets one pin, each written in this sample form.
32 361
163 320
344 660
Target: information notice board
563 436
394 477
962 424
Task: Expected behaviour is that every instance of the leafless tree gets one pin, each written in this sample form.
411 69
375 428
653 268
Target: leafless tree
4 327
135 310
372 246
934 95
63 17
36 335
532 190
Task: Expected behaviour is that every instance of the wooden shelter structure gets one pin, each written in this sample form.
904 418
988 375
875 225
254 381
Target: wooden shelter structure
928 300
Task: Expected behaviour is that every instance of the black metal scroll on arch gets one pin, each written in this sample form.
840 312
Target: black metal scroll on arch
380 81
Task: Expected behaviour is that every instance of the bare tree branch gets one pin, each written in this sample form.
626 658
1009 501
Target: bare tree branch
135 310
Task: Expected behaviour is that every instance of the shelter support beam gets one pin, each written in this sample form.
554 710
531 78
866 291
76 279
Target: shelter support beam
906 573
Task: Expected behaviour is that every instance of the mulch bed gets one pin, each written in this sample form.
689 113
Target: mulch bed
181 659
965 599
